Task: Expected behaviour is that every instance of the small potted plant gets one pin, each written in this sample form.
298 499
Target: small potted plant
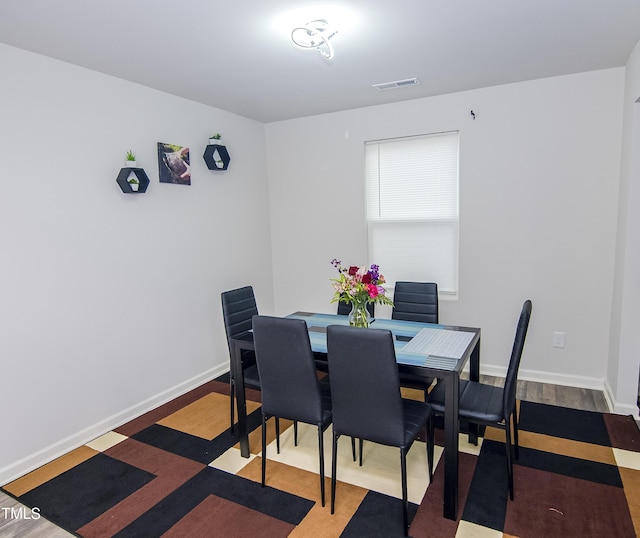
215 139
131 159
133 183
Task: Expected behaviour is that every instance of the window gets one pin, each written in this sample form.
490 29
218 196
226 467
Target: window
412 208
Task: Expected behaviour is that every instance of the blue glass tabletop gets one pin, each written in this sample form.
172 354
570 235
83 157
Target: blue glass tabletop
441 347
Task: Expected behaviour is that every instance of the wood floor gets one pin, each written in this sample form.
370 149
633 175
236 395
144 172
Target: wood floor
13 515
575 398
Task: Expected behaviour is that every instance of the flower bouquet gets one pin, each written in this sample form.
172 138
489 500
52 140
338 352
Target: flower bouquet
359 286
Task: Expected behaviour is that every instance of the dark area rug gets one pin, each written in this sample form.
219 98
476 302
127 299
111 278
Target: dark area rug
578 474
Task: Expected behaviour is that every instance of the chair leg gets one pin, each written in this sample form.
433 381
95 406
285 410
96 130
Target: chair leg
515 431
509 456
353 448
334 461
361 447
430 443
473 434
232 395
264 448
278 435
405 499
321 451
295 433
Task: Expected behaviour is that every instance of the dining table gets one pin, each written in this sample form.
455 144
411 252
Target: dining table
422 349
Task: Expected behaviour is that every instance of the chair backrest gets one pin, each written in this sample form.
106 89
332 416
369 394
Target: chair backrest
415 301
510 384
238 308
345 308
365 390
287 369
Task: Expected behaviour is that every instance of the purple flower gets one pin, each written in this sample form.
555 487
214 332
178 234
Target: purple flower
374 272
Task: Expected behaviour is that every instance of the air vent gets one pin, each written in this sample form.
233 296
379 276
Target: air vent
396 84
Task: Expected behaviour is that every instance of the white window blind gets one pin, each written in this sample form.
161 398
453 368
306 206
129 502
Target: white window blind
412 208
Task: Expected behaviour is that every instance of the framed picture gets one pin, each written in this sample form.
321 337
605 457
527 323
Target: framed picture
173 164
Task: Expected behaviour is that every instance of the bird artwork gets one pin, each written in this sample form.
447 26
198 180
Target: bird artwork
173 162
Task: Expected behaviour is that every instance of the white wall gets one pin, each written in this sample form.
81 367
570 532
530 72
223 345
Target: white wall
625 337
539 173
110 303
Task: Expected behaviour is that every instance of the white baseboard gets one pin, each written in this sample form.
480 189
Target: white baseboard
33 461
565 380
546 377
618 407
581 382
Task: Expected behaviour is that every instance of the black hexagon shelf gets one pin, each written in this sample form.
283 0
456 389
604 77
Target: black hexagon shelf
216 157
123 177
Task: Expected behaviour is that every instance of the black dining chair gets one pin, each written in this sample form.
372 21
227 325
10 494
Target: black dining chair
416 301
238 308
487 405
289 384
366 399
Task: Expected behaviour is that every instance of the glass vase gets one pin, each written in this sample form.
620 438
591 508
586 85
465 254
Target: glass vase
359 315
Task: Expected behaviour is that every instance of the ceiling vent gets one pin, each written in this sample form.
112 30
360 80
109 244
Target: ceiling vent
397 84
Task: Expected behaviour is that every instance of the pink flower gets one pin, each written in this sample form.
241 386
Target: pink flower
373 290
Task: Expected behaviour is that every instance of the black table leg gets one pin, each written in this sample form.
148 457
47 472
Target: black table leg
451 427
474 375
241 399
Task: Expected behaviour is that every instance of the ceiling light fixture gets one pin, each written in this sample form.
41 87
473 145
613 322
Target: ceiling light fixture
315 35
396 84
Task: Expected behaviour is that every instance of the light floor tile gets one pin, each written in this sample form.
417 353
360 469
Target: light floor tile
207 417
566 447
468 448
380 470
106 441
318 522
471 530
231 461
626 458
50 470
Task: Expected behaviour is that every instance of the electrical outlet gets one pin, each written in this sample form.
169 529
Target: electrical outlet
559 339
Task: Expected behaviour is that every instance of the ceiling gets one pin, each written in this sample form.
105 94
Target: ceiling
237 55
